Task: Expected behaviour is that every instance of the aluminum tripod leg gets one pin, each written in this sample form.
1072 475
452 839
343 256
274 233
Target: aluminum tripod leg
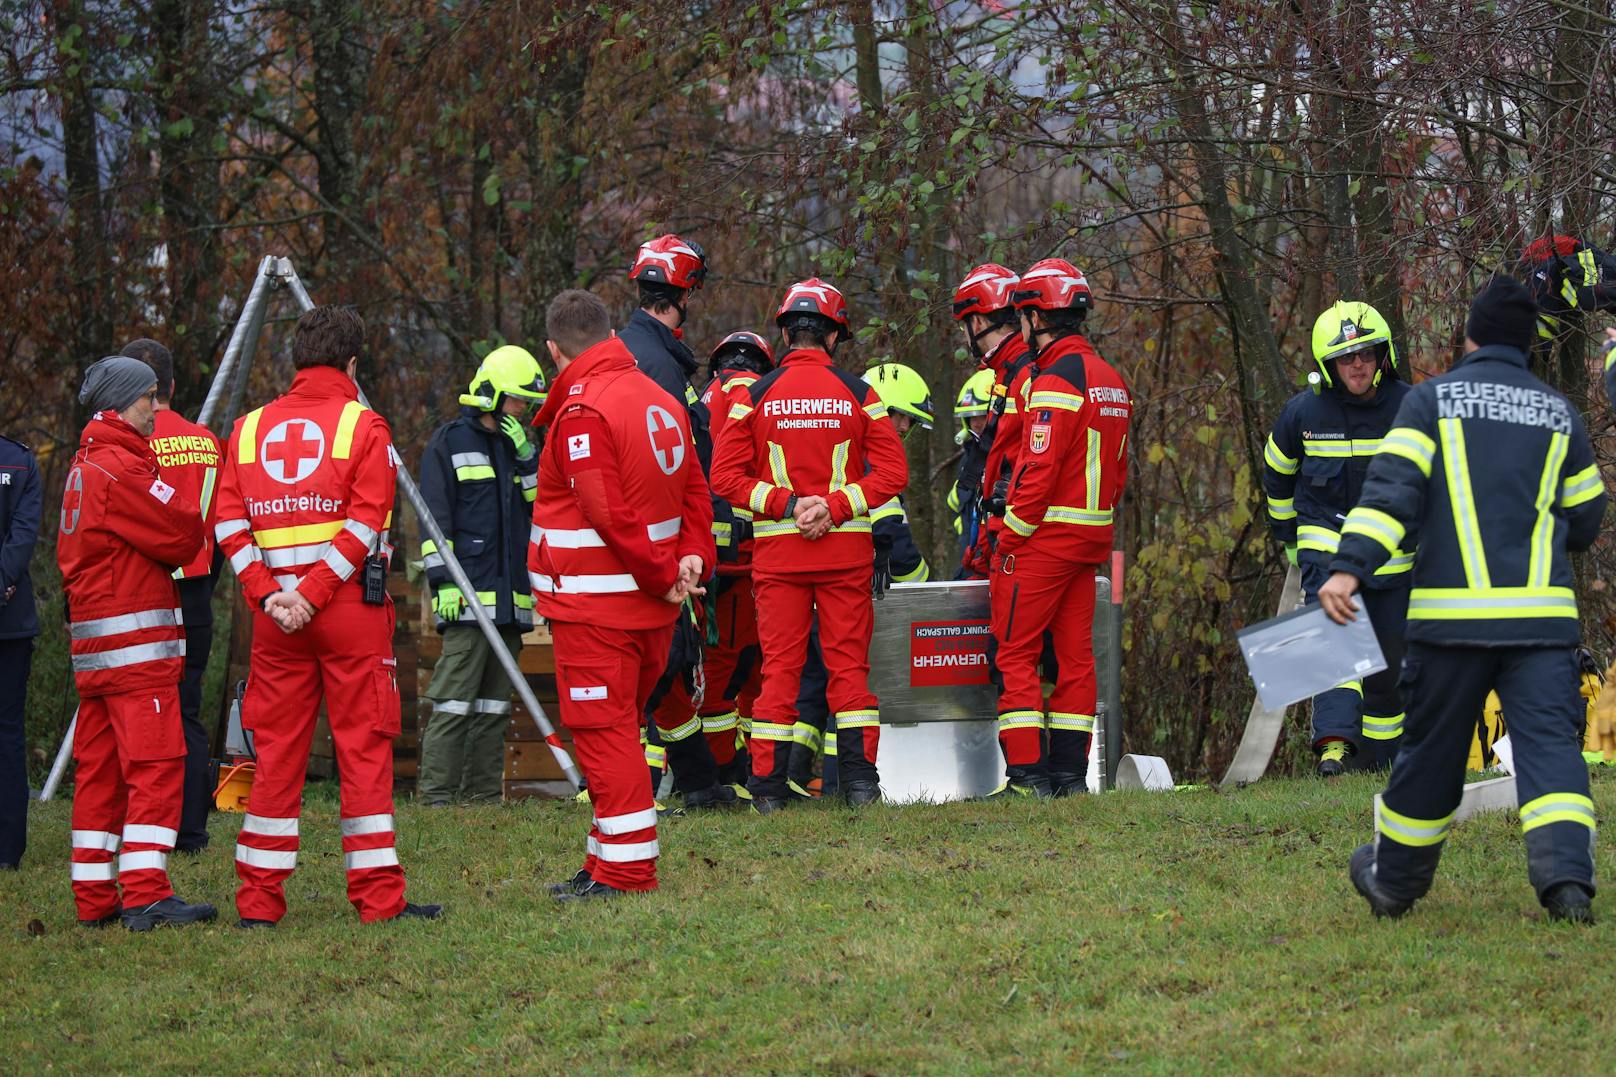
289 277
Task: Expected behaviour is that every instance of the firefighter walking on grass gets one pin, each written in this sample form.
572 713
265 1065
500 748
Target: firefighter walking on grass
1495 471
1058 518
122 533
622 537
478 478
810 452
304 506
1313 473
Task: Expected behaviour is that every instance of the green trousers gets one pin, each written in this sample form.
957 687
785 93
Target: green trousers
463 748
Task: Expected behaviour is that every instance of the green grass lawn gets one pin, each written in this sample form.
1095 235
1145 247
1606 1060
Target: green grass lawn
1182 932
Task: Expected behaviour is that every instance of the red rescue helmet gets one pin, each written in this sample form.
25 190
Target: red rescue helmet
985 289
670 260
815 297
1053 284
745 349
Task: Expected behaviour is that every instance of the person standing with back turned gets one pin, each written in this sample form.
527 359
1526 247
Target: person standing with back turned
1495 470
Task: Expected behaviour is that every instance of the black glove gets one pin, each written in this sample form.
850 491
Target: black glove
995 503
883 569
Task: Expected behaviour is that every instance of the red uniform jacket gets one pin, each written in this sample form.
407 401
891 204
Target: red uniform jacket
723 392
123 530
621 496
1012 377
189 457
1073 460
807 428
307 491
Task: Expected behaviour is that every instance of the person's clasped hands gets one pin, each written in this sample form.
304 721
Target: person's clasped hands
691 581
813 517
290 611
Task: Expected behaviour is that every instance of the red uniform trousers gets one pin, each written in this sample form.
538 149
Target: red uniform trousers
604 677
733 670
130 749
346 653
785 607
1041 594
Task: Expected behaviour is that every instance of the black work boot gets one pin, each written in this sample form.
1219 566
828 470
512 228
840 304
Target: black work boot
412 911
1068 783
580 879
766 805
1362 870
860 793
590 891
1030 782
171 910
1571 902
713 798
101 921
1333 758
249 924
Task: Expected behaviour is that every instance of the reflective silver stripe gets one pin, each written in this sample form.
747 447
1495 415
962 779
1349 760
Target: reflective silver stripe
524 616
339 564
95 839
270 826
129 656
293 556
663 529
492 706
432 560
244 557
288 582
363 532
365 859
627 823
142 834
142 861
125 622
451 706
601 584
93 873
267 859
470 459
572 538
626 853
225 528
367 824
529 482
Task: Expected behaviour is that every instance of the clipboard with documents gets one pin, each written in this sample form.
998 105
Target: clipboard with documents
1298 655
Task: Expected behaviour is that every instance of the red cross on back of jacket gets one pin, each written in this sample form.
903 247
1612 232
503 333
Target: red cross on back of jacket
307 490
810 429
1073 460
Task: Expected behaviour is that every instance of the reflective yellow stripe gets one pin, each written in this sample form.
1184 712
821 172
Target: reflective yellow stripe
1081 723
1018 525
1071 514
776 528
1049 398
861 719
1282 508
1322 539
1542 556
1091 473
1406 830
1389 727
1323 449
1412 445
1557 808
739 410
722 533
892 508
1489 603
1277 460
838 466
1374 524
523 601
919 574
777 466
876 410
1352 686
247 447
758 500
474 473
1399 562
762 730
209 477
1456 467
1021 720
342 444
1585 485
301 535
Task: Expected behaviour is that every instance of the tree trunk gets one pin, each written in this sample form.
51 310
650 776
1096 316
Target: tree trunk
341 74
86 217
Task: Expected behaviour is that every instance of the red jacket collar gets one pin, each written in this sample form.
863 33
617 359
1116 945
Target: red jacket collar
609 354
1008 351
807 357
109 428
323 382
1074 344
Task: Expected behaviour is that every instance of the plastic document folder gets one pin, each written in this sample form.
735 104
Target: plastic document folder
1301 654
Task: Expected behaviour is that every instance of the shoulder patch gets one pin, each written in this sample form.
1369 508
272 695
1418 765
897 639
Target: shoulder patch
161 490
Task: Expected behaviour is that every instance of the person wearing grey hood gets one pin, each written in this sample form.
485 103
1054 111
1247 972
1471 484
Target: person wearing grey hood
122 532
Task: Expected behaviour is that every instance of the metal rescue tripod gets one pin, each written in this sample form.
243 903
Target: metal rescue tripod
276 272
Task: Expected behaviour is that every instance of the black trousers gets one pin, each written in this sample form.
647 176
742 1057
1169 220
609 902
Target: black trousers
1446 688
196 602
16 656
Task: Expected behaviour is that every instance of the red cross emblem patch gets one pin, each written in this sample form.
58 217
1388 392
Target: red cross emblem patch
72 501
292 450
667 443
